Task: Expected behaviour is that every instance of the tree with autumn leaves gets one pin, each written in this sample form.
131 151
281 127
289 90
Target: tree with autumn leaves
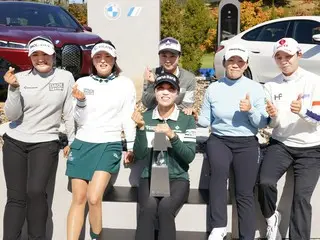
252 13
79 11
194 22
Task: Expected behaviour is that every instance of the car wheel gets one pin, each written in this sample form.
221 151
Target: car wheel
247 73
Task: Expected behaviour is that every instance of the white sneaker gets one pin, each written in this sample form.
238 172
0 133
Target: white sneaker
273 223
218 233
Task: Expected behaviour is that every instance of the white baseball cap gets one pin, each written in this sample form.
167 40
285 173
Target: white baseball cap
170 44
288 45
236 50
40 45
104 47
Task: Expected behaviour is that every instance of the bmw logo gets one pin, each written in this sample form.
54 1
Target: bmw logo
57 41
112 11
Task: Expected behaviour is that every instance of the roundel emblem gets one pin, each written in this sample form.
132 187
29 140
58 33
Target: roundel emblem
112 11
57 41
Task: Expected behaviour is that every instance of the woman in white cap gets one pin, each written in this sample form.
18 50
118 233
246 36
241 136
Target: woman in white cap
37 100
293 104
234 108
169 55
105 102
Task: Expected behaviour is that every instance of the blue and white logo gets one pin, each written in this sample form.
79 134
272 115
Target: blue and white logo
112 11
134 11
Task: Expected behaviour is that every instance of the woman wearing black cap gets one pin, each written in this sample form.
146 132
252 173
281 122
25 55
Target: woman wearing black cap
105 102
36 101
180 130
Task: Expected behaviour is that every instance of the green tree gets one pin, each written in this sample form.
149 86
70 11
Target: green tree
196 24
171 19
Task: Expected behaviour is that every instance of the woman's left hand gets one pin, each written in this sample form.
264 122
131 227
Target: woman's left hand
187 111
76 93
128 157
164 128
245 104
296 105
191 111
66 151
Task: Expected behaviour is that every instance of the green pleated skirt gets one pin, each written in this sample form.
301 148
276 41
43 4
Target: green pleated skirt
85 158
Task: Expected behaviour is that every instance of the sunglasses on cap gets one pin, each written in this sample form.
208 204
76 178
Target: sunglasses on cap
169 40
47 39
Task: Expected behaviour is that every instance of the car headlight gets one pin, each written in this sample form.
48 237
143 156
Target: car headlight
14 45
87 47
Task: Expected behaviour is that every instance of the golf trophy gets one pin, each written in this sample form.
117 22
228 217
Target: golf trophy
159 186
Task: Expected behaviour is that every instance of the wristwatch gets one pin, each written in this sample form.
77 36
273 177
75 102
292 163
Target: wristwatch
175 137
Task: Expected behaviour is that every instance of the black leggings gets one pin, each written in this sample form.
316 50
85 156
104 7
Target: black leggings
306 169
243 153
27 168
162 209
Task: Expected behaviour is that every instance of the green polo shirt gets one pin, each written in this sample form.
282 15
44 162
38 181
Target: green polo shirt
182 150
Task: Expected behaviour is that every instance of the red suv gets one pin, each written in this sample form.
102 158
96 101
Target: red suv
21 21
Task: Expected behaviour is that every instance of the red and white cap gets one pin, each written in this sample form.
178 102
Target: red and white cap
288 45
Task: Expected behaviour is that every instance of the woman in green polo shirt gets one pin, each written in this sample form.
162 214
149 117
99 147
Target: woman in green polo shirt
180 131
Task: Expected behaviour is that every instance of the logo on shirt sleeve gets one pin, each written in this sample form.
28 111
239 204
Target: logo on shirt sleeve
56 86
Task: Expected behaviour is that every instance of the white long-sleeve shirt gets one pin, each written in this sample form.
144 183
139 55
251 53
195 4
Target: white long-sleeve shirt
106 111
36 107
296 130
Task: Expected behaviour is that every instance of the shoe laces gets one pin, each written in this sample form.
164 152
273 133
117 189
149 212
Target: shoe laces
269 231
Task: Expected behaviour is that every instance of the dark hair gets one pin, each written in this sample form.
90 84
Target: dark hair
116 70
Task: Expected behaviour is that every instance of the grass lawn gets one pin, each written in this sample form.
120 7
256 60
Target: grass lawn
207 60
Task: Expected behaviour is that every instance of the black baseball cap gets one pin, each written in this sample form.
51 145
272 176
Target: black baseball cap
167 78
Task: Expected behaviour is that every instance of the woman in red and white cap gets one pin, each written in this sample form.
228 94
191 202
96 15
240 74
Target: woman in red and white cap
105 102
36 101
293 104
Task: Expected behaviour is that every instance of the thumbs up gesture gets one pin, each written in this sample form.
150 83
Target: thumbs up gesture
11 78
271 109
296 104
76 93
245 104
148 75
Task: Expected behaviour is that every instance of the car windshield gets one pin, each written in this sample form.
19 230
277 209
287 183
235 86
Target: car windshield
14 14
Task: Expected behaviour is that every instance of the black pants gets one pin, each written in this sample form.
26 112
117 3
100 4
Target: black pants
243 153
162 209
306 167
27 167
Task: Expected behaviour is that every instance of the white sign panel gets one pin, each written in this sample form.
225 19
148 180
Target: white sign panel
134 28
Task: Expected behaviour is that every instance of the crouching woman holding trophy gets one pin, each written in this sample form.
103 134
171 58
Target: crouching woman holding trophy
166 142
